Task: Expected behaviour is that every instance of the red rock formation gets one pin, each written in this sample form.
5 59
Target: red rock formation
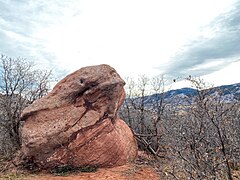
77 122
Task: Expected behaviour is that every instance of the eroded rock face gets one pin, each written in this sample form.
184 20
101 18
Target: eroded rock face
77 122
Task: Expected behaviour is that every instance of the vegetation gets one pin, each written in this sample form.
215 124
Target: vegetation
65 170
20 84
199 137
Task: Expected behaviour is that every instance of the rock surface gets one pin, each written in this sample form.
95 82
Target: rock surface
77 123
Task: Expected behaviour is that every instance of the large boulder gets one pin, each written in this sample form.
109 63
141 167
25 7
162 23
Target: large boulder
77 123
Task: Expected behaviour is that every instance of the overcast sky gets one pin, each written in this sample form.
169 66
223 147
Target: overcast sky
175 38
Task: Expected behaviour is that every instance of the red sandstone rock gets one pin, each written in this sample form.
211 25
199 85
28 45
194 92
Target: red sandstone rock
77 123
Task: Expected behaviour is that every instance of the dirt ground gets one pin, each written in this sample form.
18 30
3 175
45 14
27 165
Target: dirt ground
125 172
141 170
137 171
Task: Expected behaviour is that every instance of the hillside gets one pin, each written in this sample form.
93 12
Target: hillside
229 93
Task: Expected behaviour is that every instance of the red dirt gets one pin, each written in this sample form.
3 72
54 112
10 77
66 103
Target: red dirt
125 172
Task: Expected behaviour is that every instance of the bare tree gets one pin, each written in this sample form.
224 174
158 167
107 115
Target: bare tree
127 108
199 133
142 87
144 113
134 110
203 136
20 84
158 105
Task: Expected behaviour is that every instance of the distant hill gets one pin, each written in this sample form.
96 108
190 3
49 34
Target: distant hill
229 93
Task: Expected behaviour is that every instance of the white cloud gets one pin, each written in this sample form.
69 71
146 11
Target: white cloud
229 74
135 37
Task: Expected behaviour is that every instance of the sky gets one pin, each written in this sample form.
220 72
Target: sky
136 37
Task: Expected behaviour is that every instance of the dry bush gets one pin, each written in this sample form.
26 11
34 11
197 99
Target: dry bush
199 139
20 84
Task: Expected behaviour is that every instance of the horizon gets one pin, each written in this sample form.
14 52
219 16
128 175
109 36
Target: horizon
176 39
